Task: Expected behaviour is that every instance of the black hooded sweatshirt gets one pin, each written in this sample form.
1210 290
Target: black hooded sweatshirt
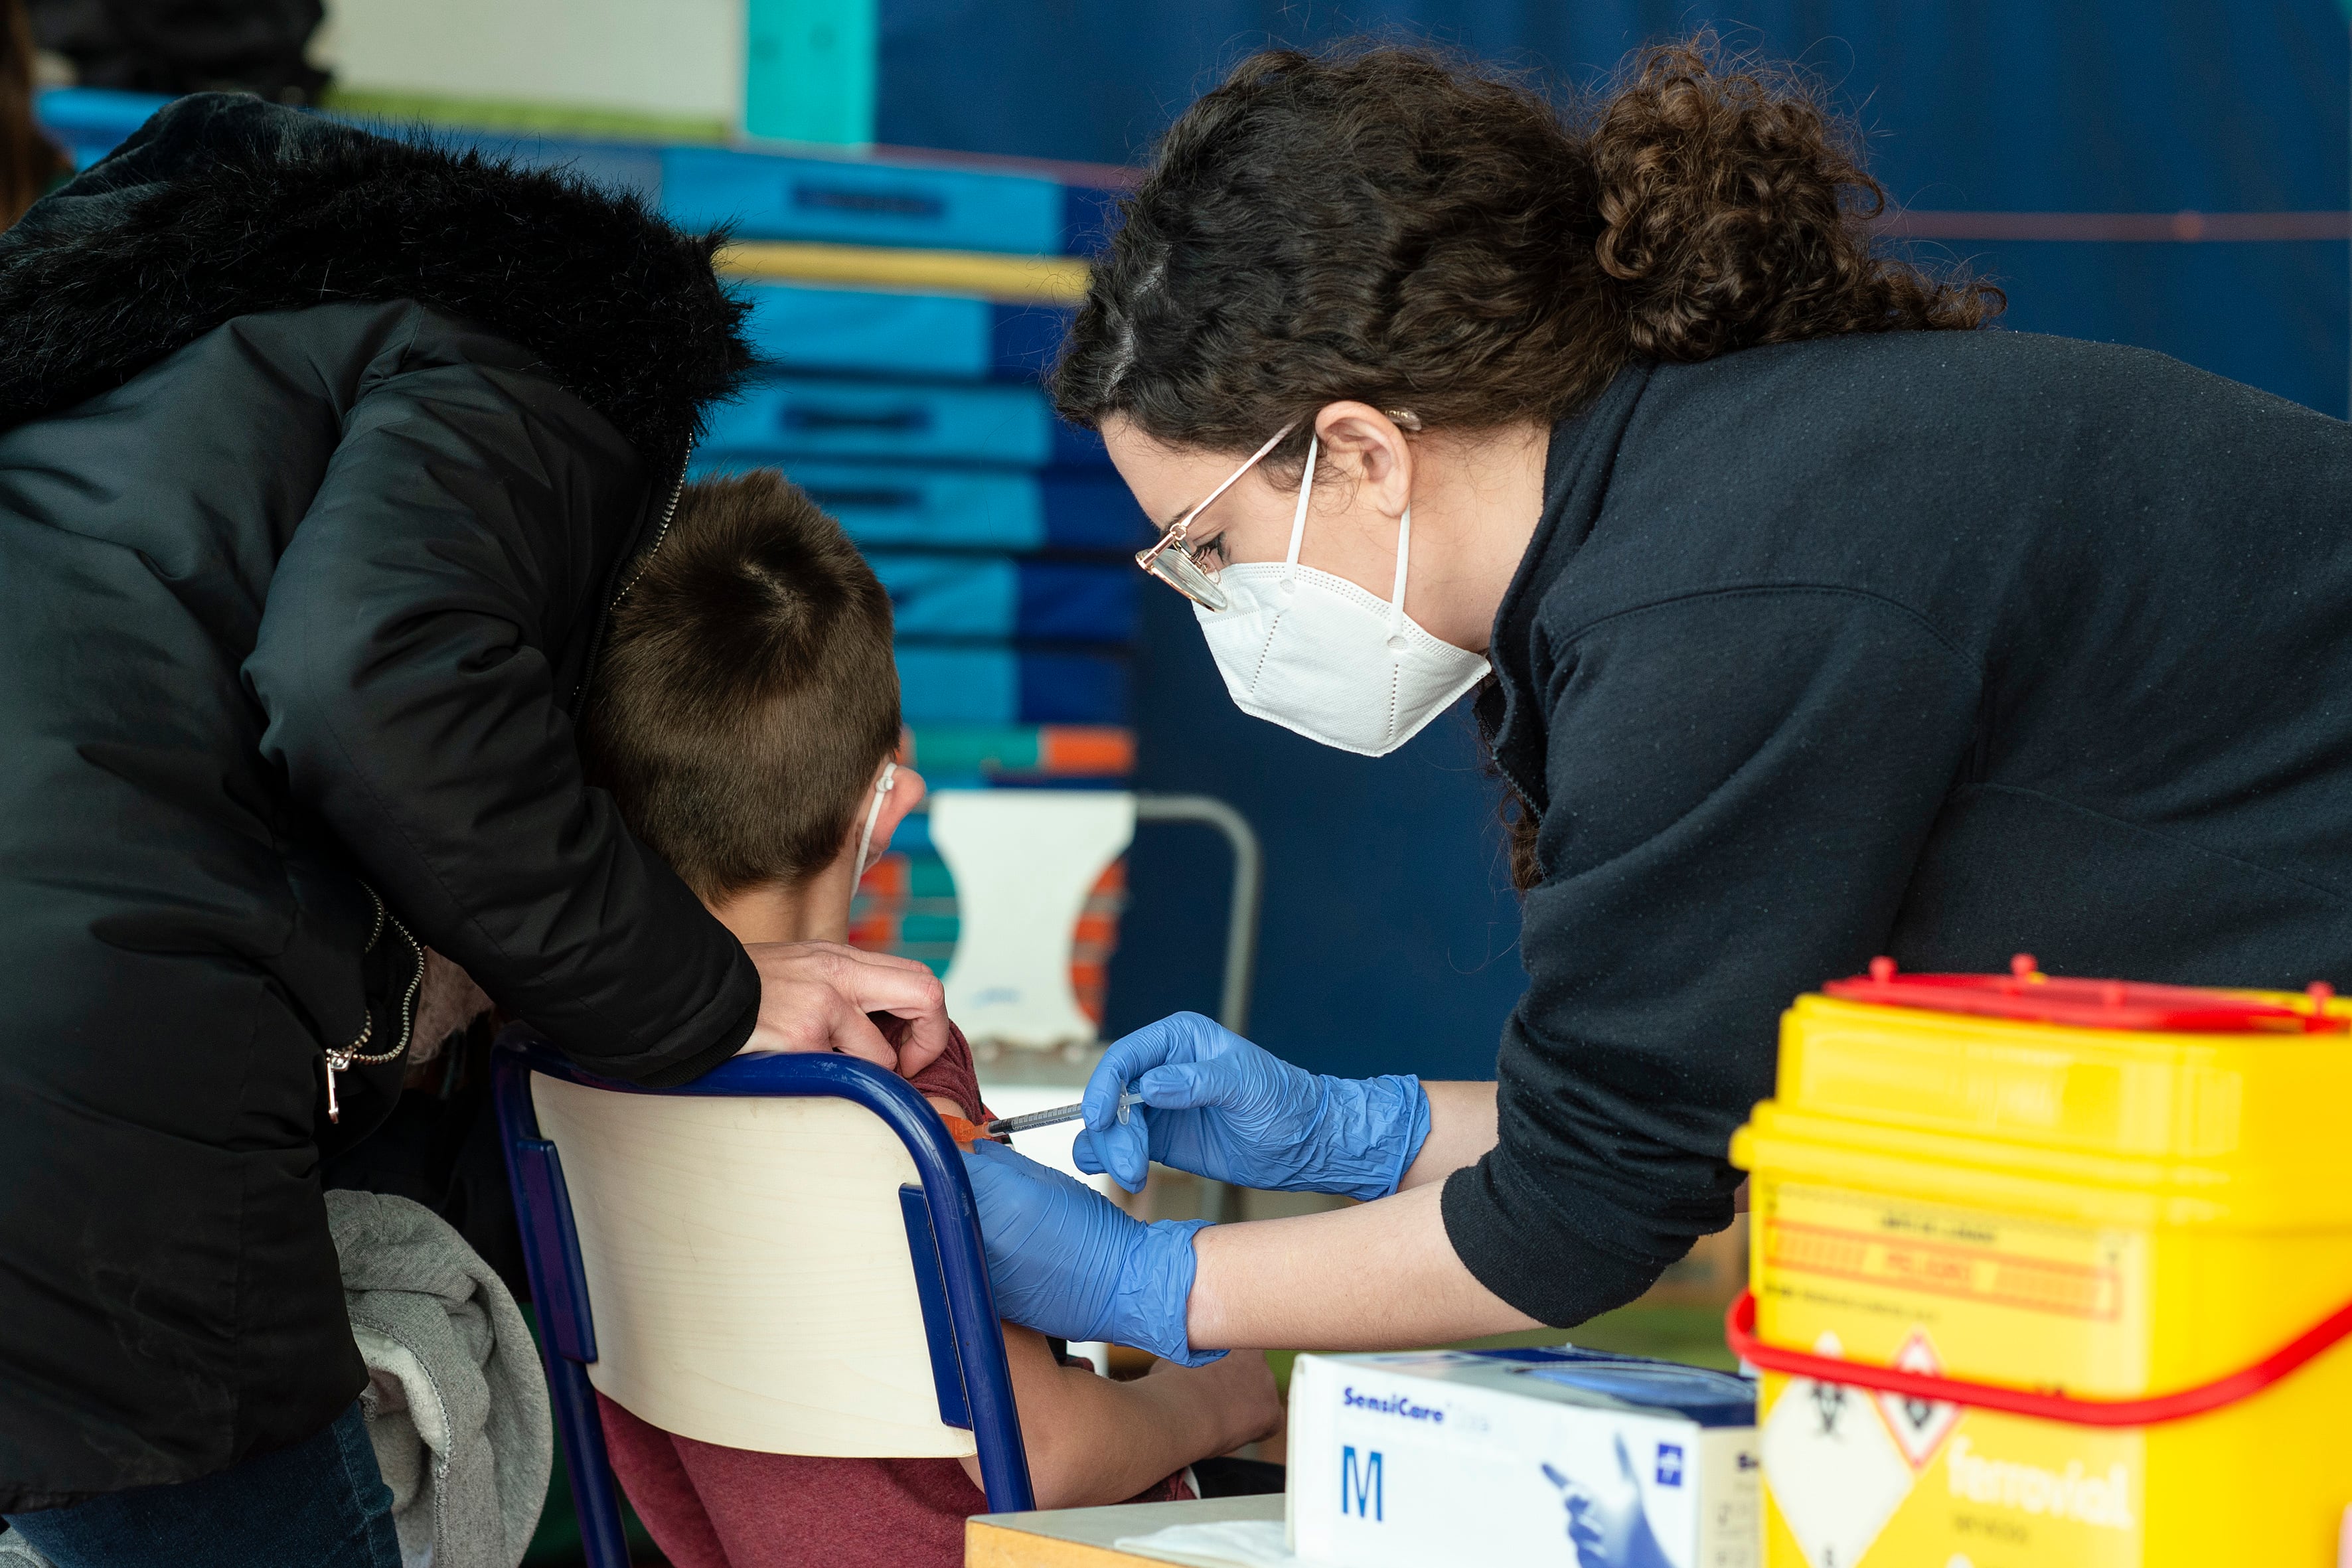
1946 645
323 457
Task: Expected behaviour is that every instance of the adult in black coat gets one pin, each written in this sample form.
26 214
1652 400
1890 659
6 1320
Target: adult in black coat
323 457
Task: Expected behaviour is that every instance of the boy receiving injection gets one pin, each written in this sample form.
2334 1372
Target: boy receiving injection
745 718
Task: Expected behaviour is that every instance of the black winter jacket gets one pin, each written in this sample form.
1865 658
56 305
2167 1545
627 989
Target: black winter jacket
1947 645
322 459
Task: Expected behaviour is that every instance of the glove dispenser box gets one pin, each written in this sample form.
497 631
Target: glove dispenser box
1520 1457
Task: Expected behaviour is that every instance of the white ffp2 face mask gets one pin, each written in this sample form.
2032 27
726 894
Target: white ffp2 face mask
1319 655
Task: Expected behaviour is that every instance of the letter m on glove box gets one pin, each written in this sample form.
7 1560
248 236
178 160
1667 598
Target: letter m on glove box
1359 1487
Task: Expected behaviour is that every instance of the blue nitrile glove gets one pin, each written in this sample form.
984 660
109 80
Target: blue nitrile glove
1067 1262
1222 1108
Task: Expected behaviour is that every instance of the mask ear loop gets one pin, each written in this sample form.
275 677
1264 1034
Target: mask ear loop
882 787
1396 600
1298 518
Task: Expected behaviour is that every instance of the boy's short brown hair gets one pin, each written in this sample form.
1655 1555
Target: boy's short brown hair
747 693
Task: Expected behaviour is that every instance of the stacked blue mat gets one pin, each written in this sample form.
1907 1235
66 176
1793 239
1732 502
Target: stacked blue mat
917 420
1000 533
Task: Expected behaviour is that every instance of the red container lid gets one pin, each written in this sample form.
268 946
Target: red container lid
2025 993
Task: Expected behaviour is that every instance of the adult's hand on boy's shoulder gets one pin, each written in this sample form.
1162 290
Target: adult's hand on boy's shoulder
815 995
913 1055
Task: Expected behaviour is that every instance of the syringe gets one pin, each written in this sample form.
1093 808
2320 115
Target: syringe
1059 1114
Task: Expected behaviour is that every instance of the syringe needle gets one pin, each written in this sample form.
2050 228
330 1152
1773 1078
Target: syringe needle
1054 1116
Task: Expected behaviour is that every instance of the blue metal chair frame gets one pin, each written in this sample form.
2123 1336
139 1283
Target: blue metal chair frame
974 1385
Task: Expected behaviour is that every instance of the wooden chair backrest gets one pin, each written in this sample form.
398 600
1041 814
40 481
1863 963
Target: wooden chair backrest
748 1270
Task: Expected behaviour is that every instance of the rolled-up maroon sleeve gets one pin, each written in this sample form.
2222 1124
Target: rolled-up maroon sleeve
953 1074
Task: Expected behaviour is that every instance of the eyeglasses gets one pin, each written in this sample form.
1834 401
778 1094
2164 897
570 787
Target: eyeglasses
1172 559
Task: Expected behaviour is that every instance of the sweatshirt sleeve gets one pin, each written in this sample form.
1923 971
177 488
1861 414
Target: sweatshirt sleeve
1738 784
405 666
952 1073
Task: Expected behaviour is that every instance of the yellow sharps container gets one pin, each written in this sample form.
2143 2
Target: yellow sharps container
2052 1271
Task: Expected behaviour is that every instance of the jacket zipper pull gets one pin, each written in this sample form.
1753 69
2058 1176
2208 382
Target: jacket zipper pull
336 1062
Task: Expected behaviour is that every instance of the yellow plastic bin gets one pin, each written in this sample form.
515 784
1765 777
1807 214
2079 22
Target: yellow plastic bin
2094 1204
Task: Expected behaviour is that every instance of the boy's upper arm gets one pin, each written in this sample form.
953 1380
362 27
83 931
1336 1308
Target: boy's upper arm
1040 1393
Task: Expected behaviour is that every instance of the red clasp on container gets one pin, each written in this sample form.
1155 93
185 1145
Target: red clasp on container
2027 994
1739 1332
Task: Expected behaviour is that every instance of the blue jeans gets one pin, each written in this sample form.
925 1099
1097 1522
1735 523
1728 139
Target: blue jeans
321 1503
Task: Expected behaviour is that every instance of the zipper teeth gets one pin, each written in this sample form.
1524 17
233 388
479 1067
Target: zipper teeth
660 534
356 1050
408 997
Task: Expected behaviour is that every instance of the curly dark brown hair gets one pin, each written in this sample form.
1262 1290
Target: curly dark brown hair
1397 227
1390 225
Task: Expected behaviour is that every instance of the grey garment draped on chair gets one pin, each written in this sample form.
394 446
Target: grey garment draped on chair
456 1404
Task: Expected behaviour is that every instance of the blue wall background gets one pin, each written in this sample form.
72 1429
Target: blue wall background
1389 940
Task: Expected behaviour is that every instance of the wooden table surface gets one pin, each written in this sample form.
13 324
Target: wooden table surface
1082 1537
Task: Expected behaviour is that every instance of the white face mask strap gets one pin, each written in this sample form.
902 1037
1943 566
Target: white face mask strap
882 787
1298 518
1404 558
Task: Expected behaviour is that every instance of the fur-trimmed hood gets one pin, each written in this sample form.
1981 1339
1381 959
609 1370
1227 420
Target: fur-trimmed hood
223 205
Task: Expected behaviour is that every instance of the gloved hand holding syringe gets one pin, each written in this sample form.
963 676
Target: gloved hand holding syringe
1063 1260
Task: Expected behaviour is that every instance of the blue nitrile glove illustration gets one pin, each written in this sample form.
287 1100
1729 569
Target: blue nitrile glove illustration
1220 1107
1606 1522
1064 1260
